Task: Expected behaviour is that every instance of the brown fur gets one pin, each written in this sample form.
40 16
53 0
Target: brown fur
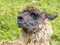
40 37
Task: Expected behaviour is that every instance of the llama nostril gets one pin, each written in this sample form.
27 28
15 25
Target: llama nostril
20 17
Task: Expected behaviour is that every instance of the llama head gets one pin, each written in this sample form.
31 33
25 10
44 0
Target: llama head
30 19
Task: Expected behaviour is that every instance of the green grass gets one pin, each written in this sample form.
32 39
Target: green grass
9 12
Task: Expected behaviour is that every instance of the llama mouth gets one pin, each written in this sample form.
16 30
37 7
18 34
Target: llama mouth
29 30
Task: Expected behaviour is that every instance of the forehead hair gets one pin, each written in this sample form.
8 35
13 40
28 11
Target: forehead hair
31 9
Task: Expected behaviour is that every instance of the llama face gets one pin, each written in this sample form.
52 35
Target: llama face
27 21
30 19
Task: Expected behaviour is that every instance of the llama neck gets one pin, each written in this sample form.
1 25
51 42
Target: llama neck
40 37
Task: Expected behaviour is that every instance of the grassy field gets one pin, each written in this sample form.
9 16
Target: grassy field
9 12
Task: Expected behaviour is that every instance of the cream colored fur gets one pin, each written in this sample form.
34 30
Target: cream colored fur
41 37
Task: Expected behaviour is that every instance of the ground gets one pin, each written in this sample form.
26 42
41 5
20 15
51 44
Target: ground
9 11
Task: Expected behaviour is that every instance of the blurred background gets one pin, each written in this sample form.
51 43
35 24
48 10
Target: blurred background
9 12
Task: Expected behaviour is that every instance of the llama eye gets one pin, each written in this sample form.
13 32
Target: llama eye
35 16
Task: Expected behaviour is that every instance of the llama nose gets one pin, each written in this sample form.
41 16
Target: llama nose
20 24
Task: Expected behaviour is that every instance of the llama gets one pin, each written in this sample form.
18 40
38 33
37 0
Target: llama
36 29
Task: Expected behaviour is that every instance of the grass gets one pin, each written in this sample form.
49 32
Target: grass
9 12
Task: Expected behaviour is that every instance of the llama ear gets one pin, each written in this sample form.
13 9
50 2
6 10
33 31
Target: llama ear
51 17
